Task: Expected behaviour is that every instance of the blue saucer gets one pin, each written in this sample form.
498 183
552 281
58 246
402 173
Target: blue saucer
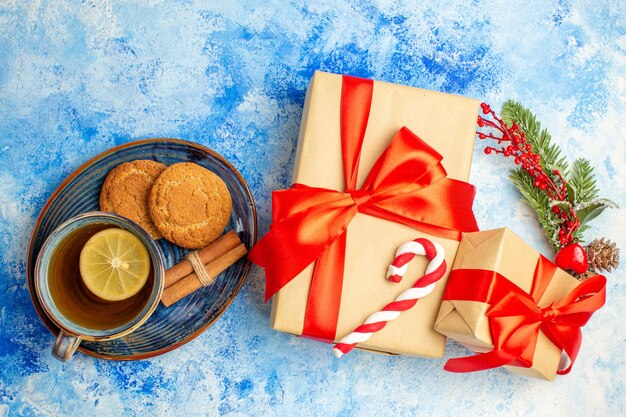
167 328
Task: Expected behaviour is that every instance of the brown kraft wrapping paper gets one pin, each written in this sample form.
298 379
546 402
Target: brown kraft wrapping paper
447 123
502 251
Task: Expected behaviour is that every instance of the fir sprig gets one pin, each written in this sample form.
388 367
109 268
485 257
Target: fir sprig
582 182
584 194
565 201
540 139
538 201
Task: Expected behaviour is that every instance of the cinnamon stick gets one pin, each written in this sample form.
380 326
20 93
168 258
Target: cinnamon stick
191 282
207 254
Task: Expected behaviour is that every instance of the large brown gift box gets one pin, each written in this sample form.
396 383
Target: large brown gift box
502 251
447 123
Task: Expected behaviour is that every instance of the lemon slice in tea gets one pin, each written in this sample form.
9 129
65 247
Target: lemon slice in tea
114 264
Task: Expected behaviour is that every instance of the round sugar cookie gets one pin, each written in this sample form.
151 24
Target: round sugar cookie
126 190
190 205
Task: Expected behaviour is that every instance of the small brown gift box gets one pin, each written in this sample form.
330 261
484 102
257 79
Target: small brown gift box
447 123
502 251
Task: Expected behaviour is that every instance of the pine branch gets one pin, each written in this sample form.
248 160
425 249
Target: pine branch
541 141
582 182
538 201
584 194
563 205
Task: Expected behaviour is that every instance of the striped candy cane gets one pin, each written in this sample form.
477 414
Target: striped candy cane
423 286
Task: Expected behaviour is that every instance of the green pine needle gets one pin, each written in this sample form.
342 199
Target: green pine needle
539 201
582 190
540 139
582 182
584 194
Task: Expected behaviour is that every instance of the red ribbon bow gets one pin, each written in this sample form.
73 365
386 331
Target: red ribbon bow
406 185
515 318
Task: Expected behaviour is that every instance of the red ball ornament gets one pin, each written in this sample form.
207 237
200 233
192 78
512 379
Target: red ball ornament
573 257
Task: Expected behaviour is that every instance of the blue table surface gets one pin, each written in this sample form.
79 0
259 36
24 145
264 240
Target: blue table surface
77 78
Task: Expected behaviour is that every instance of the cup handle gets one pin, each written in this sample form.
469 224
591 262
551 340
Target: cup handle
65 346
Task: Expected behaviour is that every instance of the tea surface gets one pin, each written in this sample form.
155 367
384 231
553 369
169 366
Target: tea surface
72 297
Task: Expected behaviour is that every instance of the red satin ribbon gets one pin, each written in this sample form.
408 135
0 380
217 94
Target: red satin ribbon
515 318
406 185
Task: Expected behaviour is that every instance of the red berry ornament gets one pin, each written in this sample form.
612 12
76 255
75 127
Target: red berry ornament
573 257
512 141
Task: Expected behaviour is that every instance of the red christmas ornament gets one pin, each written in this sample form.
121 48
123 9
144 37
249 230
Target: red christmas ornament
572 257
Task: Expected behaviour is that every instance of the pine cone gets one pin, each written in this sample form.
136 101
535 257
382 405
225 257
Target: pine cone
603 255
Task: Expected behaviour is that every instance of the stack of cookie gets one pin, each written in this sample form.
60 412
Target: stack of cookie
185 202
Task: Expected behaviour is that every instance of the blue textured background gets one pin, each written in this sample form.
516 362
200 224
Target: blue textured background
79 77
